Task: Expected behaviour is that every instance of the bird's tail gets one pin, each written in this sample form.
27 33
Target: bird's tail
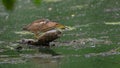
24 28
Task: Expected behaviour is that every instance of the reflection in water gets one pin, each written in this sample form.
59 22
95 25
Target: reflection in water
47 50
48 58
45 62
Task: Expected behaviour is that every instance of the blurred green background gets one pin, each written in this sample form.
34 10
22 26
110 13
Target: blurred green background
94 43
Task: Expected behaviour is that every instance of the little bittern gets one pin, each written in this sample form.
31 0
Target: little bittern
42 25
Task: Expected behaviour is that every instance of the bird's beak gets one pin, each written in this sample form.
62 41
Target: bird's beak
60 26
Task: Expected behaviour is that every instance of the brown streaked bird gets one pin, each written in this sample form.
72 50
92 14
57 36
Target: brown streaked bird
42 25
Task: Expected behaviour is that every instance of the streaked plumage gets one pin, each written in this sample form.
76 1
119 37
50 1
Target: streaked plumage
43 25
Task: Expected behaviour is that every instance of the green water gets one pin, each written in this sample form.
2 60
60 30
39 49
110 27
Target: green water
93 44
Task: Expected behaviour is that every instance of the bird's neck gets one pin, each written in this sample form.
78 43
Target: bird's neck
58 29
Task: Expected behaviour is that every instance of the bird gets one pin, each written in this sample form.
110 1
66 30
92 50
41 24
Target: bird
43 25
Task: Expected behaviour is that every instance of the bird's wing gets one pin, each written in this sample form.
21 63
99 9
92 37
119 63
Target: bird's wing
46 27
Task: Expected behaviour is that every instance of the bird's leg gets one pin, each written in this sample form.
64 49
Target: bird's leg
36 35
41 34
